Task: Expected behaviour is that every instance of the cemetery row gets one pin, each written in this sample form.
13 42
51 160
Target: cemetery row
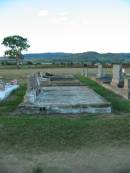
119 82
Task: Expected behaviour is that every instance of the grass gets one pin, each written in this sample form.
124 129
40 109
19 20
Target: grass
50 133
27 137
59 133
51 170
11 103
38 170
118 103
21 74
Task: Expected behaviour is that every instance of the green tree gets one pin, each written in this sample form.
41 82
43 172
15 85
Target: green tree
15 44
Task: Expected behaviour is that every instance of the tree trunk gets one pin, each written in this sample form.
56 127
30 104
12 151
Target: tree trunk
17 62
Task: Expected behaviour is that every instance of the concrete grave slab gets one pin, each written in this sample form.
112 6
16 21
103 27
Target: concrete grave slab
64 94
70 99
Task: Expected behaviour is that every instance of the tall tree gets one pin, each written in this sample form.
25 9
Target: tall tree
15 44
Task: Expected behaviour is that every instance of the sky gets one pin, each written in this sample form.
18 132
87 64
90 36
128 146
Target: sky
68 25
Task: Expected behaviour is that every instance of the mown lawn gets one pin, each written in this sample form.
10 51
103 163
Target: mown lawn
118 103
59 133
49 133
21 74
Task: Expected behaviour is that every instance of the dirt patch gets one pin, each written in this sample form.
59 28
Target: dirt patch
99 160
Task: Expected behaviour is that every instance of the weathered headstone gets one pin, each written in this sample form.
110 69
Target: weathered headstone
39 74
30 96
117 74
123 72
29 83
86 72
127 87
37 86
127 84
31 93
100 71
33 88
83 72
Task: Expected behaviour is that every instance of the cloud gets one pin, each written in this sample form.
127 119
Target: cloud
85 22
65 13
60 19
43 13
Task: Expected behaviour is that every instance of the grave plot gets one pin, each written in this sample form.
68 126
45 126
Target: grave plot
62 94
7 88
119 82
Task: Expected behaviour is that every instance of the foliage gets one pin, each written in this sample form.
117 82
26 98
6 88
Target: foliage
16 45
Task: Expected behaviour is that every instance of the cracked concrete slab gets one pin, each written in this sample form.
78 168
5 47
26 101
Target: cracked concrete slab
70 99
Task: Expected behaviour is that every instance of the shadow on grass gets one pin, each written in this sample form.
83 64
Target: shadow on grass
51 170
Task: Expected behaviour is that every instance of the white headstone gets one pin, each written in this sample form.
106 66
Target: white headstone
31 96
117 74
100 71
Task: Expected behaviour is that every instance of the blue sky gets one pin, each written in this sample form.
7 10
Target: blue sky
69 25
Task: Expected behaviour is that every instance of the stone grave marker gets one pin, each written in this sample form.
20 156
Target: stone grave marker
127 87
100 71
117 74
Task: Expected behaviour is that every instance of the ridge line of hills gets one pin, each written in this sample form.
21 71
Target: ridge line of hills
81 57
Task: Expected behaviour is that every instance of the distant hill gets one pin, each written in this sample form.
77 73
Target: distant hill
81 57
105 57
48 55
